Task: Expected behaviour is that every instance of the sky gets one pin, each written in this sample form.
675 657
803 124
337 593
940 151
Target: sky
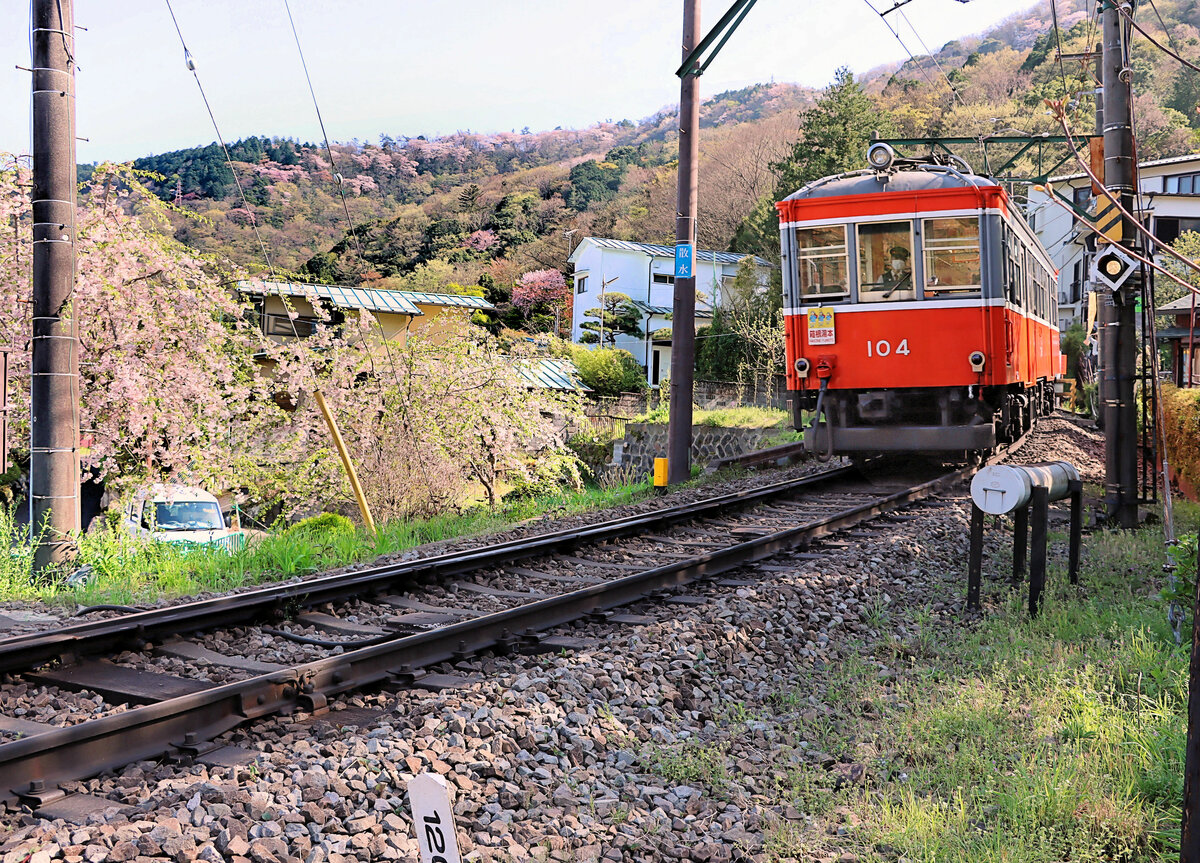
430 67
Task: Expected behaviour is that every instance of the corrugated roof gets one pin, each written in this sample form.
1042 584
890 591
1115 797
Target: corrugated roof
1153 163
339 296
1183 304
458 300
550 374
702 255
701 311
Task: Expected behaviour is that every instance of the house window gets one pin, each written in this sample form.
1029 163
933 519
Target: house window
281 325
581 284
664 279
1183 184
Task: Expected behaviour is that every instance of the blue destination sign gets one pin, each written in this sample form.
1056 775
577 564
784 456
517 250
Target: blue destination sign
685 255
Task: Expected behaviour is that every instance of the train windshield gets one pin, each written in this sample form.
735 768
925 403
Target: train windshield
951 257
885 262
821 255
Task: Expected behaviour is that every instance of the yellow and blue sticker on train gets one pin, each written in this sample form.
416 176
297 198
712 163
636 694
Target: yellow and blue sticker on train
820 326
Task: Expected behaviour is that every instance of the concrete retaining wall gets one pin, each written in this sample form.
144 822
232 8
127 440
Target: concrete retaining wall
644 442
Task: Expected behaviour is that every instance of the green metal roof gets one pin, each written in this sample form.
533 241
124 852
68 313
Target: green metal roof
339 296
464 301
550 374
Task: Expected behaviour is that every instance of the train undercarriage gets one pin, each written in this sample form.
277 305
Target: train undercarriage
970 421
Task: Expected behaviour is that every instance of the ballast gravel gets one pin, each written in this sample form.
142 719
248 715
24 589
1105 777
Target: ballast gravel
667 740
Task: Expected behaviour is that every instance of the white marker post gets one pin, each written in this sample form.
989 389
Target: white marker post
433 819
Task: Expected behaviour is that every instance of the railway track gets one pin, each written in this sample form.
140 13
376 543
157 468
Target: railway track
166 683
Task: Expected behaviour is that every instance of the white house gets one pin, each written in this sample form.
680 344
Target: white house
645 273
1170 204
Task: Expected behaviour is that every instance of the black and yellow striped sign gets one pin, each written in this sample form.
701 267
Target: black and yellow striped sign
1108 220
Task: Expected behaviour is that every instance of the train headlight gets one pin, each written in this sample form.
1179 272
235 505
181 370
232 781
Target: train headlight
977 359
802 367
880 156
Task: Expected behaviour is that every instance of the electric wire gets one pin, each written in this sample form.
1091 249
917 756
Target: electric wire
1058 43
1161 23
320 120
888 24
1156 43
934 58
387 350
191 64
1175 615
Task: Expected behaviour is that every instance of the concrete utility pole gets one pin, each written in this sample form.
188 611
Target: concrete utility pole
1118 347
683 318
54 397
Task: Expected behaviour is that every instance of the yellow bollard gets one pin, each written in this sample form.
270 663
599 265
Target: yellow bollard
660 473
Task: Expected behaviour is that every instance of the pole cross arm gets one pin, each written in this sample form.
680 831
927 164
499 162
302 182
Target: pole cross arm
728 23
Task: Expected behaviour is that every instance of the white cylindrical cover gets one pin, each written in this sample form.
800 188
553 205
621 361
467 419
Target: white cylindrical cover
1001 488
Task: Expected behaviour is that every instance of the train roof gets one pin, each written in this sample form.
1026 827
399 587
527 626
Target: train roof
869 182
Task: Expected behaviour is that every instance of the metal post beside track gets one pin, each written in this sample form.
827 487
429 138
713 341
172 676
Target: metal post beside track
1001 489
1040 503
1020 544
975 565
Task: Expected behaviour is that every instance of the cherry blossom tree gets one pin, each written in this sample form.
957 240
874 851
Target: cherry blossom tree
540 287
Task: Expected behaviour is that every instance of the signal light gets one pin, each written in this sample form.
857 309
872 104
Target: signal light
1112 267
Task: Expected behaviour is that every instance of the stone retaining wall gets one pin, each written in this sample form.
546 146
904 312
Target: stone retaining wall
644 442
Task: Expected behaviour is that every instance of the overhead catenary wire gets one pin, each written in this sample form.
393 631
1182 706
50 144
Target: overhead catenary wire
920 67
932 57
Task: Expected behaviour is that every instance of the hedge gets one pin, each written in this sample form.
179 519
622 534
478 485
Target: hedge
1181 425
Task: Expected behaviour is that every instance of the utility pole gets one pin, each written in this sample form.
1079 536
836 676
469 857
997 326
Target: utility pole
1118 308
54 387
683 318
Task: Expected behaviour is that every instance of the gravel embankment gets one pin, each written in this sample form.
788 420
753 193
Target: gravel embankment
662 741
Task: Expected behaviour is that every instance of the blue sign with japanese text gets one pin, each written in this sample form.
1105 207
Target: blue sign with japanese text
684 256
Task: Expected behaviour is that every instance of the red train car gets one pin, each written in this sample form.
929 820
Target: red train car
920 310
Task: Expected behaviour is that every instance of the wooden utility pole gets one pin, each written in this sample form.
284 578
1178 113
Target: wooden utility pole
683 318
1118 347
54 388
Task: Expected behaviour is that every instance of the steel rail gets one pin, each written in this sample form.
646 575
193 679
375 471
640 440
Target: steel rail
22 652
32 768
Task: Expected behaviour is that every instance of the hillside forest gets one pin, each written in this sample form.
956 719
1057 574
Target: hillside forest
474 211
496 215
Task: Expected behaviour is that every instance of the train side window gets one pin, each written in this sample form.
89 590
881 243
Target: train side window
822 261
952 257
885 262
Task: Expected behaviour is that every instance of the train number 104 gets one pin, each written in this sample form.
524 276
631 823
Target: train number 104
883 348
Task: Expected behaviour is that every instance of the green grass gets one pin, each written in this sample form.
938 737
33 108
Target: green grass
1055 739
128 571
743 417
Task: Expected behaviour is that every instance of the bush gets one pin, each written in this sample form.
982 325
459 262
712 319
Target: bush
548 474
326 522
608 371
592 448
1181 427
